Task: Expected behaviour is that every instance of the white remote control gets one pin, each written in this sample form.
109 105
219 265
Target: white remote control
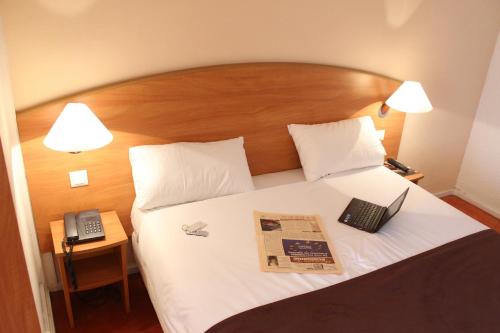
196 226
199 233
195 229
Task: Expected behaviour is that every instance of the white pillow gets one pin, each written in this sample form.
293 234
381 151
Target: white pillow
333 147
188 171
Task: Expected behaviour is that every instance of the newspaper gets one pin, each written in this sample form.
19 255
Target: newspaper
294 243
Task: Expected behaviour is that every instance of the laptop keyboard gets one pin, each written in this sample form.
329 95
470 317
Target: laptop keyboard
367 216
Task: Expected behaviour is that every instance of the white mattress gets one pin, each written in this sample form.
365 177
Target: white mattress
196 282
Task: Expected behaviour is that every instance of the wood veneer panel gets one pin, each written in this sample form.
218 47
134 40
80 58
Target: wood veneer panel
256 101
17 306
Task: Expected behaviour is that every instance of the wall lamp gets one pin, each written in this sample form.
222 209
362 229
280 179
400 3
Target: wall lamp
77 129
409 97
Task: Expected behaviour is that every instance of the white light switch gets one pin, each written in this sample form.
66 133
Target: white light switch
381 134
78 178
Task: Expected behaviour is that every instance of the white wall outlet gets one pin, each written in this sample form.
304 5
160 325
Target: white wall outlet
78 178
381 134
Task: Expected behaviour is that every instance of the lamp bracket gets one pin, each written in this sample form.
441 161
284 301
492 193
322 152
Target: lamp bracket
383 111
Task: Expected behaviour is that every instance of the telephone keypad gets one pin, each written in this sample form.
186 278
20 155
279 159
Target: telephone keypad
92 227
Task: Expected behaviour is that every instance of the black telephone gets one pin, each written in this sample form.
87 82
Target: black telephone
399 167
85 226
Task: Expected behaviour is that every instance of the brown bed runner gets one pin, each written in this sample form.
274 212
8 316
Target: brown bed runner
452 288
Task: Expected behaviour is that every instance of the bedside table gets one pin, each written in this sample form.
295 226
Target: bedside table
414 177
96 264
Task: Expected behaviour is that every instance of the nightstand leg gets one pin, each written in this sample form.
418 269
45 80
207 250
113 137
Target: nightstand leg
125 292
67 295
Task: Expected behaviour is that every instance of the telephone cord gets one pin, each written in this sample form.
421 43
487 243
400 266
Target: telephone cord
68 259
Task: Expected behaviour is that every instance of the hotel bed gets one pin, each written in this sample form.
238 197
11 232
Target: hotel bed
196 282
214 283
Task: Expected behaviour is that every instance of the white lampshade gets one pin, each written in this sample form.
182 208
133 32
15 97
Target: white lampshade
410 97
77 129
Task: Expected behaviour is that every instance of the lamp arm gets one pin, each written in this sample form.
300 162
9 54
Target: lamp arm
384 109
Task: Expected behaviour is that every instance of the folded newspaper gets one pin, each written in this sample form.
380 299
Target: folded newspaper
294 243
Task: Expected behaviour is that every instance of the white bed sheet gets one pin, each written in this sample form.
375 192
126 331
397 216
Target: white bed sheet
196 282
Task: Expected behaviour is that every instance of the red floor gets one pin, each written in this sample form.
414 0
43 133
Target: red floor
108 315
473 211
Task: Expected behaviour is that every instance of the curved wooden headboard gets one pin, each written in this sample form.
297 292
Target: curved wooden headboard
256 101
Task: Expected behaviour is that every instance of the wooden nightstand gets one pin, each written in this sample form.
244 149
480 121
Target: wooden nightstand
96 264
414 177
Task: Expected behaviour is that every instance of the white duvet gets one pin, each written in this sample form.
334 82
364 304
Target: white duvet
195 282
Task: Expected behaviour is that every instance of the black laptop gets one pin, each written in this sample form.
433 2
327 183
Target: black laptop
368 216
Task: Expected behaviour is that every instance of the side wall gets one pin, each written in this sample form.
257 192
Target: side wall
19 189
479 180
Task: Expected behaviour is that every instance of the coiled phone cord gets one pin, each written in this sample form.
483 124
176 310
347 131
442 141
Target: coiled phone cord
68 260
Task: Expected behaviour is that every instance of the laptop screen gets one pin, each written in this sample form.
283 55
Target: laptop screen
395 206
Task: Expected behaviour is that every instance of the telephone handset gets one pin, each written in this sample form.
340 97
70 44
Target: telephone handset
399 167
398 164
70 227
85 226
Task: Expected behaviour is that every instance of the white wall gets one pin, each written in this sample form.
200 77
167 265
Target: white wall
479 179
59 47
19 189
